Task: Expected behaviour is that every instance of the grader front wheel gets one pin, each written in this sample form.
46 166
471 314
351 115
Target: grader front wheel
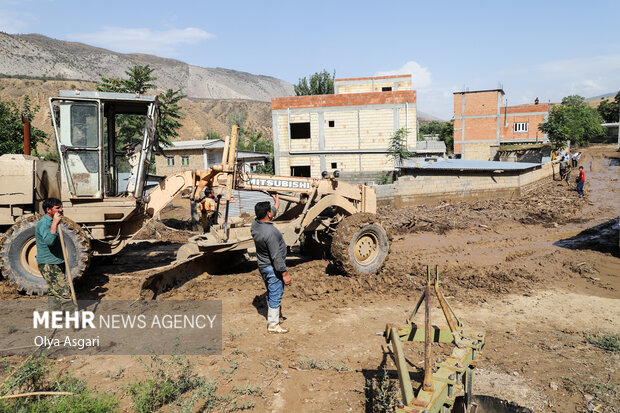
18 253
360 244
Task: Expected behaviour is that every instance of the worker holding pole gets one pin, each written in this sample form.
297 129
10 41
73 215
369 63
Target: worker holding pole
51 258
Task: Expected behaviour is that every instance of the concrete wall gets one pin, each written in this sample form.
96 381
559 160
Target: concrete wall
372 84
431 187
348 132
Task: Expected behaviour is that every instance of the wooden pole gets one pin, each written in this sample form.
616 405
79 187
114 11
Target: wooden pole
67 269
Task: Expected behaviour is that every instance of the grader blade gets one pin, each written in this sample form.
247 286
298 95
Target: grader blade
172 276
190 264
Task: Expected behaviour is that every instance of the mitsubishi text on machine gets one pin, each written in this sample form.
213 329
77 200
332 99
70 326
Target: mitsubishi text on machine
280 183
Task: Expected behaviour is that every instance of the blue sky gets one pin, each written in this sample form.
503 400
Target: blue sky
545 49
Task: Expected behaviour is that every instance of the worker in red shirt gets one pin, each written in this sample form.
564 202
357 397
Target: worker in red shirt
581 180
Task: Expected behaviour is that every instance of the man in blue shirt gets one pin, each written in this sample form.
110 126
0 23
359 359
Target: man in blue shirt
50 259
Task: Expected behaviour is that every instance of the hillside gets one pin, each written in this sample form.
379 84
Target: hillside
202 115
37 56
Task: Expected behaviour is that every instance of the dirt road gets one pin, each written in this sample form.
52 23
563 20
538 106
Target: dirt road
541 274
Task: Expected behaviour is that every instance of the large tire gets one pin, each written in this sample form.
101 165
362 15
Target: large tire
360 244
18 253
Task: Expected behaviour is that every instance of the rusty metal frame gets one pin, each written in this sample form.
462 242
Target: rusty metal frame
452 376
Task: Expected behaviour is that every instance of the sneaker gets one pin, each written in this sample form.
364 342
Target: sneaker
276 329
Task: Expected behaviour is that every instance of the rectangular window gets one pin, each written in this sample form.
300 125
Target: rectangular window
300 171
332 123
300 130
334 165
184 160
520 126
170 160
386 89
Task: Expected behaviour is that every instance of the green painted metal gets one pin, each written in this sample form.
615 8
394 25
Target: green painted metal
453 376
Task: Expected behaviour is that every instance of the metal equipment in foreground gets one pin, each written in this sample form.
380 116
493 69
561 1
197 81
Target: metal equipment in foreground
454 375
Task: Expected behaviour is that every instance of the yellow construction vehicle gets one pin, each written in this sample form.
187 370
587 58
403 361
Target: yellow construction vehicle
101 179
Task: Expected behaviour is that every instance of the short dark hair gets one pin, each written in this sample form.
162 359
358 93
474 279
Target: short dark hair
581 167
50 203
261 209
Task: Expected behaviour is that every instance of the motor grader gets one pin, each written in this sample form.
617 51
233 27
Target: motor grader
102 214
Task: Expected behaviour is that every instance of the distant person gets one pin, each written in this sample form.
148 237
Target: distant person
575 159
581 180
50 260
271 257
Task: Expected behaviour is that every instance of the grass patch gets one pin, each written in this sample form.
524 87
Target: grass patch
308 363
238 352
168 382
602 391
608 342
248 390
272 364
36 374
233 335
381 393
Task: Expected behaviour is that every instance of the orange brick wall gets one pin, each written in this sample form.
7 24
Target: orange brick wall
353 99
481 116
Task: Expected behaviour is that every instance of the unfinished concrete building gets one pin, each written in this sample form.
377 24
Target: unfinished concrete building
348 131
482 123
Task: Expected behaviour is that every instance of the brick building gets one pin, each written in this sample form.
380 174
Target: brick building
201 154
348 131
482 123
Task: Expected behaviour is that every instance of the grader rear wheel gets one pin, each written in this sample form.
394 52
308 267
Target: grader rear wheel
18 253
360 245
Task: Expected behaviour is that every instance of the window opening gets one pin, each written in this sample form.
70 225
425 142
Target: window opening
300 171
300 130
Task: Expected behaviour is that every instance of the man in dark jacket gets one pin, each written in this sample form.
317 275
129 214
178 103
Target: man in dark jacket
271 257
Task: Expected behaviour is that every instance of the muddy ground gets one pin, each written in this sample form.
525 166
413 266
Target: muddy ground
540 274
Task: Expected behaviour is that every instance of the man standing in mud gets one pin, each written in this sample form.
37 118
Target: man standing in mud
50 259
581 180
271 257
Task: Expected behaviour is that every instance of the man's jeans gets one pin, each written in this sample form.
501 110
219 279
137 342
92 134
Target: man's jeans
580 187
274 284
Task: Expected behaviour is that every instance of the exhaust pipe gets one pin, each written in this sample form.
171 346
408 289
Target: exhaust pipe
26 123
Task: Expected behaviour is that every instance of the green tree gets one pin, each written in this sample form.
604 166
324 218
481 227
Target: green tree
212 135
572 121
321 83
140 80
169 115
12 128
398 147
445 131
610 111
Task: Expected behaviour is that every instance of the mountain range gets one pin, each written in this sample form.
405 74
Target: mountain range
39 66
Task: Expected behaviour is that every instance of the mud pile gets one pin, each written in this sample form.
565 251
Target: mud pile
548 205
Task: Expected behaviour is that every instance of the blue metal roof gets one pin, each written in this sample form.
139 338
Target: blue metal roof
471 165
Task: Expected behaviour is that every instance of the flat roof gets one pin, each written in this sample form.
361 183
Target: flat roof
479 91
89 94
209 144
472 165
372 78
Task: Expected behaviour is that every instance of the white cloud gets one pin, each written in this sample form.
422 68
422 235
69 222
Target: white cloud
141 40
420 76
14 22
